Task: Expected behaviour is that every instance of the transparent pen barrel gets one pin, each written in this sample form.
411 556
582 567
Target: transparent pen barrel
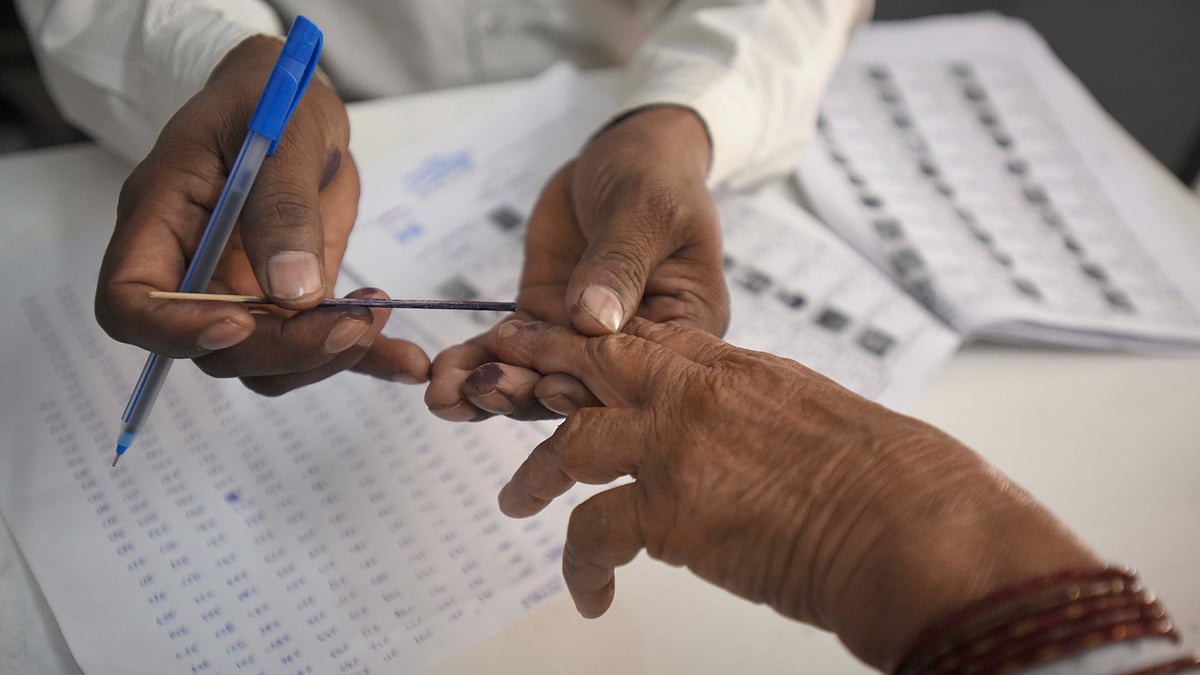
141 402
200 270
225 214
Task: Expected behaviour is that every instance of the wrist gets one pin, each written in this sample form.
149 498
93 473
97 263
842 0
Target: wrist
938 530
252 57
676 132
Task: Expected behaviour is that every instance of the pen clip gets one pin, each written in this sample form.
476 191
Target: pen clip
289 78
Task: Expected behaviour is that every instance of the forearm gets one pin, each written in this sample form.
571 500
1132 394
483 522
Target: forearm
753 70
975 569
120 71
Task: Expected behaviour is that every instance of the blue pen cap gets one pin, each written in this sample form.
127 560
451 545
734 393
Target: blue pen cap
288 80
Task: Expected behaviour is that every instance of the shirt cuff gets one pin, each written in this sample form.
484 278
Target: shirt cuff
758 105
723 105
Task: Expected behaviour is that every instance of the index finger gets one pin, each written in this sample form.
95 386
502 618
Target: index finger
160 213
620 369
602 534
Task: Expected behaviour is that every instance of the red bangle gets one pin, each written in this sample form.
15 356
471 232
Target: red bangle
1041 620
1006 607
1006 641
1071 642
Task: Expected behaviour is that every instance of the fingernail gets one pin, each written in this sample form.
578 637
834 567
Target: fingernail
494 402
366 340
459 412
604 306
559 404
293 275
221 336
508 328
345 334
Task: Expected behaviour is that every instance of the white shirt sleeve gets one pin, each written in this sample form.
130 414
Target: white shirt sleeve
120 70
754 71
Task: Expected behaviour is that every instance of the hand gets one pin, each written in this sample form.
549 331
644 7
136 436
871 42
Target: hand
288 244
628 228
773 482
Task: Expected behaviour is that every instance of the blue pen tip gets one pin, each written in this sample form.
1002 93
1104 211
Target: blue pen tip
120 451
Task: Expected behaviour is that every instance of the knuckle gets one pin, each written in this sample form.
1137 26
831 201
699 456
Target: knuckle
573 445
720 394
661 203
582 537
456 358
131 188
627 260
285 205
609 349
572 457
289 208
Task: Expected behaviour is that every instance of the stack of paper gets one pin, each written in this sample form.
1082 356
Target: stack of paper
962 157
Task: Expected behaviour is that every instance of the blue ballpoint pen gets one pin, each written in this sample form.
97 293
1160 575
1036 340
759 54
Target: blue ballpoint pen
282 94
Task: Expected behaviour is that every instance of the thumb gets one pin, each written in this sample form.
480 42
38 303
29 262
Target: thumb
282 233
281 226
607 285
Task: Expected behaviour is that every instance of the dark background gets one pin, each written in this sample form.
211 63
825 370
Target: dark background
1140 59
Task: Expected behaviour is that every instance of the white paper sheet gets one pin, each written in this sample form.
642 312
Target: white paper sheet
339 529
798 291
960 155
449 222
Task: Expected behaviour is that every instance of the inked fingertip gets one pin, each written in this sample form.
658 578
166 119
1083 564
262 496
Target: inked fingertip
484 379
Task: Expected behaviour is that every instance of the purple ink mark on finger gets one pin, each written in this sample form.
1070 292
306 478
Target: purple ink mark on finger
484 377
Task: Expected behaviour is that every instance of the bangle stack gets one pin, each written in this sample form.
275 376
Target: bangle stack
1043 620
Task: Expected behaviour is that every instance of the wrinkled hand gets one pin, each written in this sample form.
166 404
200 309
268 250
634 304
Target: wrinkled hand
288 244
773 482
628 228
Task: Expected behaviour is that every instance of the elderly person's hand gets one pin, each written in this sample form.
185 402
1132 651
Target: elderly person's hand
288 244
771 481
628 228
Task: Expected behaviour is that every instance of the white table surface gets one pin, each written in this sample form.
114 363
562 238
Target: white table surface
1110 442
